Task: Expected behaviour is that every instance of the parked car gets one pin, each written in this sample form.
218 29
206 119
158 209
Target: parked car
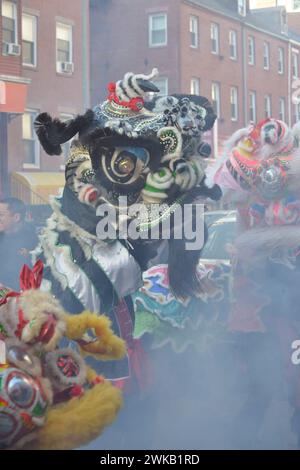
221 233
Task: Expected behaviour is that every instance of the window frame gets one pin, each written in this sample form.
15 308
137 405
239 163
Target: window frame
37 154
295 55
195 80
252 48
70 27
150 29
282 115
236 104
252 94
164 79
234 45
268 106
215 27
281 60
35 32
15 19
267 56
218 108
194 20
242 7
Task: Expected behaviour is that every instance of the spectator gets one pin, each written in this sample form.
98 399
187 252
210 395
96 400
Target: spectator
17 239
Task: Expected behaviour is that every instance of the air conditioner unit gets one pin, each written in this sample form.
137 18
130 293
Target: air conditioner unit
66 67
11 49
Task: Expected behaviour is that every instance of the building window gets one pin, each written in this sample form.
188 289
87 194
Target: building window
251 50
29 40
268 106
64 48
281 60
296 5
296 112
30 141
195 86
158 30
282 109
234 103
266 56
9 23
162 84
194 31
242 7
216 98
215 38
252 110
233 45
295 68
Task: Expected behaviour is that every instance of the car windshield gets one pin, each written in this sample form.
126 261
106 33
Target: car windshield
219 236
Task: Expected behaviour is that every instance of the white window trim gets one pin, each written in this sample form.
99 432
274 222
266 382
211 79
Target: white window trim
194 20
242 8
34 65
233 33
296 55
218 87
15 10
215 27
281 57
268 106
151 16
252 94
166 80
297 112
236 94
282 108
195 80
251 59
37 164
69 25
267 56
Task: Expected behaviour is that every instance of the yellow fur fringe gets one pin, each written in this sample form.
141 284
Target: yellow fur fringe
80 420
108 347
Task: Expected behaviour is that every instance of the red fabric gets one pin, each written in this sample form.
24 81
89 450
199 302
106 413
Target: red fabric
31 278
21 325
135 104
141 365
138 358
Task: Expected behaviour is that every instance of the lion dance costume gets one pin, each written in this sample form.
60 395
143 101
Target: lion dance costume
260 175
149 150
49 398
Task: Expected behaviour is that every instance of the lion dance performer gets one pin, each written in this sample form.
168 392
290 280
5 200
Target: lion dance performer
260 175
148 151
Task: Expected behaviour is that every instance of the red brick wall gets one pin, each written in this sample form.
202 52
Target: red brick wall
49 91
10 65
119 44
209 67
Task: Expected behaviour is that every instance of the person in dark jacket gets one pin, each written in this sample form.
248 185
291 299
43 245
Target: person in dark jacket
17 239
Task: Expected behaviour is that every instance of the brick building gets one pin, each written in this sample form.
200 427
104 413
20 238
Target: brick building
245 60
291 5
44 46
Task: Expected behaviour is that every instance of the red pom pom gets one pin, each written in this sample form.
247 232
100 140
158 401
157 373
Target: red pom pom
97 380
76 391
111 87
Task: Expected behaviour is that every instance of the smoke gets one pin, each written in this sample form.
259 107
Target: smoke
239 392
209 400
